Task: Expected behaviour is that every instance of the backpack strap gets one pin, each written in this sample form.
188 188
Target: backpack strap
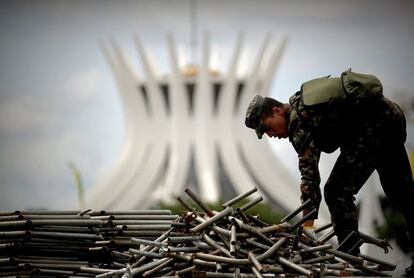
321 90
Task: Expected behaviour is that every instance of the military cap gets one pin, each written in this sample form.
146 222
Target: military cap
254 116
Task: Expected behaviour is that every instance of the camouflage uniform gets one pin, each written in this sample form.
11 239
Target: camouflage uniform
370 136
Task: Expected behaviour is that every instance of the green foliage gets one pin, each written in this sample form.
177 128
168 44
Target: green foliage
263 210
394 225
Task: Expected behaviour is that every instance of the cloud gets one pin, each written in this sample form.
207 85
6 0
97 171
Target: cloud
84 85
41 132
24 113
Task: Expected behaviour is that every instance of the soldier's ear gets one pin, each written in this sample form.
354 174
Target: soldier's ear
279 111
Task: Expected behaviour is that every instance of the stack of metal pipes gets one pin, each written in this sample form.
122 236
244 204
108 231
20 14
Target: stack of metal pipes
232 243
199 242
74 243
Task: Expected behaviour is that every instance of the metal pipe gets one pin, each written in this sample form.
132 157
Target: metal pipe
202 245
157 268
54 217
198 201
373 271
186 204
149 242
327 236
135 223
131 212
47 212
123 256
251 203
204 263
272 268
257 220
181 272
140 233
162 238
319 259
54 271
146 253
213 227
233 235
315 249
71 229
221 259
272 249
295 267
151 227
216 246
383 264
345 256
179 257
11 217
149 266
239 197
378 242
137 217
304 219
256 272
323 227
185 249
19 223
255 261
13 234
5 261
242 215
94 270
252 230
276 228
257 244
296 211
111 274
84 212
179 239
67 222
66 235
215 218
232 275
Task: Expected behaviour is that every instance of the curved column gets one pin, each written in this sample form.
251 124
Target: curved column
226 141
141 186
102 194
269 70
273 179
205 158
145 180
181 129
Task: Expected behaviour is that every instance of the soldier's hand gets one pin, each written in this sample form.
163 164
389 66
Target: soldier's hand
309 228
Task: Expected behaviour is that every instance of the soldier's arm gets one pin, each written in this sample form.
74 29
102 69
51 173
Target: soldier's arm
310 180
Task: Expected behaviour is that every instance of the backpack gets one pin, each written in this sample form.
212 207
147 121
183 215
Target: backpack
329 100
351 86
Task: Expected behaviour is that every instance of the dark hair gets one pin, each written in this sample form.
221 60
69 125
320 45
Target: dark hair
268 104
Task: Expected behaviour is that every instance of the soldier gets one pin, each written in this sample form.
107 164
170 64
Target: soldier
349 113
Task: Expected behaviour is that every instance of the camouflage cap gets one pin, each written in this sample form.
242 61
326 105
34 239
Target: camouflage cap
254 116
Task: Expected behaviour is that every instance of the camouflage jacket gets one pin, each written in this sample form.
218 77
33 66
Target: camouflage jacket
327 128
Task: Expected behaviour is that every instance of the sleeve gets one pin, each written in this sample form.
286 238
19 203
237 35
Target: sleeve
310 177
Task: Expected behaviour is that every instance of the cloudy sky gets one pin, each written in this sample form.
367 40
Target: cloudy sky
59 102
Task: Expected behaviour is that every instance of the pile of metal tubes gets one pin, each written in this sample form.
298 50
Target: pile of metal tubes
73 243
197 243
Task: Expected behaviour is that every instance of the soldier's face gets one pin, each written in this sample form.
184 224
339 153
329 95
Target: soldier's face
277 126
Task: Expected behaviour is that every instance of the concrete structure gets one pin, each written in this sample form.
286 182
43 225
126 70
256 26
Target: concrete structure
188 130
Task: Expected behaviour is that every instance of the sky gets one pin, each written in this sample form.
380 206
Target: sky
59 103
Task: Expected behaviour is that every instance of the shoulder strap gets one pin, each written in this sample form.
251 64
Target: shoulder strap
321 90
